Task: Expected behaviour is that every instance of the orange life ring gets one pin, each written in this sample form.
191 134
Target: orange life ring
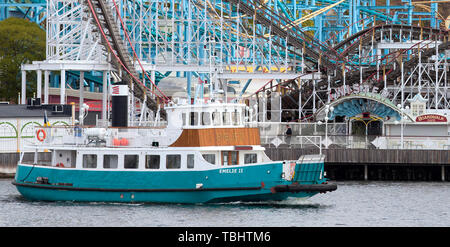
39 137
60 165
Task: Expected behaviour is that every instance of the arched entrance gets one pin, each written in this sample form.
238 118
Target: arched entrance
366 125
364 112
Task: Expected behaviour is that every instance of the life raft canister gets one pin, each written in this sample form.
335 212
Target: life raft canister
38 135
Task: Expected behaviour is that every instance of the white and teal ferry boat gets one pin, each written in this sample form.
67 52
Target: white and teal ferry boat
206 153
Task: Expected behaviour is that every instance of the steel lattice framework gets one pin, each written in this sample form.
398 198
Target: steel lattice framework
310 49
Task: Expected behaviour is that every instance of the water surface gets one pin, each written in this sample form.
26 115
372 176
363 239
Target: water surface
352 204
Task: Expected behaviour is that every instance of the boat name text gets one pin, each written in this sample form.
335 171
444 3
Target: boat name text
232 170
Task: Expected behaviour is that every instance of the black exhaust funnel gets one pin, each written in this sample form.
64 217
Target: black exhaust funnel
119 105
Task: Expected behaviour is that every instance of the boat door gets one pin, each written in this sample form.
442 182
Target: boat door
230 158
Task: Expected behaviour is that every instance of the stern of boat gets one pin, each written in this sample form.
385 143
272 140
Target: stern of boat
307 174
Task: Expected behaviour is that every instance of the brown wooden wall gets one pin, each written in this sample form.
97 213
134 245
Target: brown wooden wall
218 137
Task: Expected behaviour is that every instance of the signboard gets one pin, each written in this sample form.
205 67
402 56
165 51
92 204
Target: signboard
356 88
431 118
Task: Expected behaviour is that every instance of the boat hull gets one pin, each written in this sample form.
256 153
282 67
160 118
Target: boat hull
243 183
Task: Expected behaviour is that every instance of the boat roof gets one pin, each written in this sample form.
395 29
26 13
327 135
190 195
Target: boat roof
97 148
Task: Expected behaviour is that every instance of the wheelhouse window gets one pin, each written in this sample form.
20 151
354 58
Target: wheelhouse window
194 118
226 118
89 161
131 161
206 118
173 161
190 161
216 118
250 158
210 158
183 118
110 161
152 161
235 118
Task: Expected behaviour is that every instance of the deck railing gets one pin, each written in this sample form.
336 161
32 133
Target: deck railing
104 137
360 142
272 136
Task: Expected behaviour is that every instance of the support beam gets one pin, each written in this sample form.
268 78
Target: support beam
62 94
105 95
39 84
46 88
81 102
23 96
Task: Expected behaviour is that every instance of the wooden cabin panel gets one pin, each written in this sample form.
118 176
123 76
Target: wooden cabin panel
218 137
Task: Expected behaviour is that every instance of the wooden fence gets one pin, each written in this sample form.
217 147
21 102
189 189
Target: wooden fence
366 156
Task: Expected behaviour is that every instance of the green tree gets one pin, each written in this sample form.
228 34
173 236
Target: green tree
21 42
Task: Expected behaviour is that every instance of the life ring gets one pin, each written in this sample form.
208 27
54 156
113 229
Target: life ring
60 165
39 137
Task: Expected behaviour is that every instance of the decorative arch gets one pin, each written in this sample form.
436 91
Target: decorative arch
354 104
8 131
27 130
61 123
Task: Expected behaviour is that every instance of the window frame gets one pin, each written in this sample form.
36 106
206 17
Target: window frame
117 157
206 119
213 155
125 163
147 159
83 161
255 158
178 160
190 159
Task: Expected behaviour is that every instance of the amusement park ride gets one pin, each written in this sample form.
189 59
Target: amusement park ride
366 58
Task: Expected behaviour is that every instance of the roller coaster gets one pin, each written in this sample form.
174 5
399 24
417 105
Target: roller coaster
310 51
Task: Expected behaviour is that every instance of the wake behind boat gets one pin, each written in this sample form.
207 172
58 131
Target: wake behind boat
206 153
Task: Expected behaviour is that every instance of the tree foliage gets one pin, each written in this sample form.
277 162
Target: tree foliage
21 42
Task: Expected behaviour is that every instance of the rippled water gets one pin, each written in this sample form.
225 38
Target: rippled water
353 204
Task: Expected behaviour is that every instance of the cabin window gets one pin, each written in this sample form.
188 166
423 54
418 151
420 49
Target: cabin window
190 161
110 161
131 161
216 118
183 117
173 161
230 158
89 161
226 118
206 118
27 158
250 158
152 161
211 158
194 118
